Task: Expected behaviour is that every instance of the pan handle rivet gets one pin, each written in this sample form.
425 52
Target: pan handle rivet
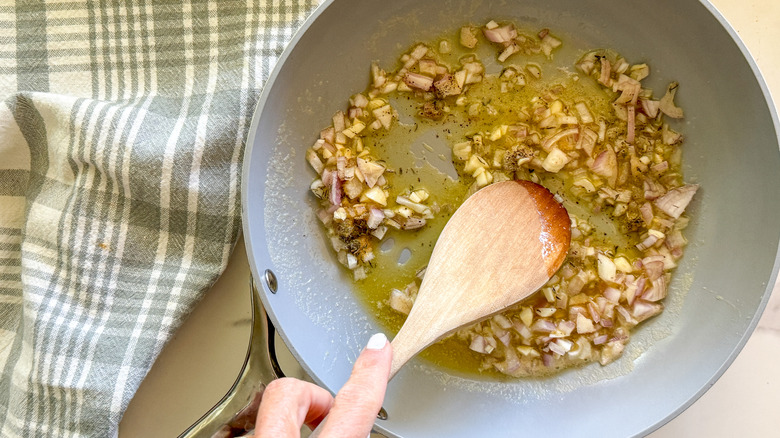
270 281
382 415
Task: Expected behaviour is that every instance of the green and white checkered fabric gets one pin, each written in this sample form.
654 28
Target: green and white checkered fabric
122 128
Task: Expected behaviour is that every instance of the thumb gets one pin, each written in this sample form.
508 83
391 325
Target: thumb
358 402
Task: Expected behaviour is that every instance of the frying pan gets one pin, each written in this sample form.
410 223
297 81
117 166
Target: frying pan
718 291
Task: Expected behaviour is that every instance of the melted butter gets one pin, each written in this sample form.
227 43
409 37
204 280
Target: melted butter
418 154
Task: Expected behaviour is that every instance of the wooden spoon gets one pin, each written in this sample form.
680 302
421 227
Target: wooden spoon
500 246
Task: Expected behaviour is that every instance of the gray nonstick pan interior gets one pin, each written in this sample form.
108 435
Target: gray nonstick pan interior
717 293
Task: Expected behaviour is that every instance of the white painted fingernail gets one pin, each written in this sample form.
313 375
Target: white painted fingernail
377 342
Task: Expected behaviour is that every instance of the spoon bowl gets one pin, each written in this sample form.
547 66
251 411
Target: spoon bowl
500 246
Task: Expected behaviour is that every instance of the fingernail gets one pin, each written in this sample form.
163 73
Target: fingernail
377 342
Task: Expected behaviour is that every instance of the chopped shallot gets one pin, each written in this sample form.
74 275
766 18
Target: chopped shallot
584 112
643 310
674 201
566 327
371 171
605 72
612 294
584 324
510 50
375 218
400 302
667 105
551 141
557 349
447 85
503 34
650 107
668 136
555 160
606 267
421 82
384 115
544 325
631 125
481 345
352 188
652 189
468 37
314 160
657 291
380 232
335 191
605 163
413 223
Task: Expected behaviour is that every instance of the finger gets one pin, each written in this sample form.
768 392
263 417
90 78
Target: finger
287 405
354 411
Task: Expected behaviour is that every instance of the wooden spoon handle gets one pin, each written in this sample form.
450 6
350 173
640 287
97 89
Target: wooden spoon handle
406 344
415 335
399 359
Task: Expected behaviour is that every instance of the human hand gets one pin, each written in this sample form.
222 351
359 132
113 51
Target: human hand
289 403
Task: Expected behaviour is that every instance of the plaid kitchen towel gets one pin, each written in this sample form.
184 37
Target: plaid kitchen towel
122 128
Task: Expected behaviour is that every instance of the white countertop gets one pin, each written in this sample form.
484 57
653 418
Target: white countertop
201 362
